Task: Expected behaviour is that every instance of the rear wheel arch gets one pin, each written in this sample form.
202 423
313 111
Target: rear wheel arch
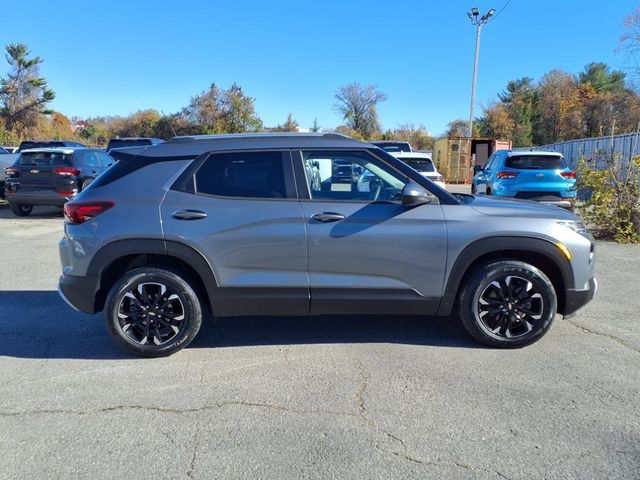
541 253
113 260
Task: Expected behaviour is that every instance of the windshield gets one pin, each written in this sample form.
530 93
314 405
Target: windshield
420 164
44 159
536 162
120 143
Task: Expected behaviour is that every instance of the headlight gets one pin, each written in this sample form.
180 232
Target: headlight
577 226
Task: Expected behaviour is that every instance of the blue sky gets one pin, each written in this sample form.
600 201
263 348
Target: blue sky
113 58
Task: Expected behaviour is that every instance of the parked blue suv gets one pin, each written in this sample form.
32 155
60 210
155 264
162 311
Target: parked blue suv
528 175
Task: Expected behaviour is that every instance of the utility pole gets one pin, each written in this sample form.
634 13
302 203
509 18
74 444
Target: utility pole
478 21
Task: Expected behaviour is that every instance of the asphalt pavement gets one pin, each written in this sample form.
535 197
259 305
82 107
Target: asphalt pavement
323 397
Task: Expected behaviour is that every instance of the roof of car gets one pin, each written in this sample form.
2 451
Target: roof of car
186 146
388 141
512 153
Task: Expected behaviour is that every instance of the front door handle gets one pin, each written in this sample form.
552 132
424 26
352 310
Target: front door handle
189 215
327 217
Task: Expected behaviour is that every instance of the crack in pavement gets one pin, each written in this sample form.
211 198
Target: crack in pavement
194 452
606 335
178 411
404 452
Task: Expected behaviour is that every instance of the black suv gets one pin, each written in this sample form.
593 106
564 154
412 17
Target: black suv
51 176
132 142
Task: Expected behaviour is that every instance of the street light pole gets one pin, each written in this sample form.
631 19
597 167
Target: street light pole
474 16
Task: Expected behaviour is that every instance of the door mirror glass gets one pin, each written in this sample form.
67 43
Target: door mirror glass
414 194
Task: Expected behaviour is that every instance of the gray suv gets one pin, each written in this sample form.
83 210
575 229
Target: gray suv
234 225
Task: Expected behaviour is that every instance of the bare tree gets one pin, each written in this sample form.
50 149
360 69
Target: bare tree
358 107
630 39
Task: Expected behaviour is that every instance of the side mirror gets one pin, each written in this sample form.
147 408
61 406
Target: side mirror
477 169
414 194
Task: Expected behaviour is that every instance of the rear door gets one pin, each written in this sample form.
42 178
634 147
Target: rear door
539 173
45 173
367 252
240 211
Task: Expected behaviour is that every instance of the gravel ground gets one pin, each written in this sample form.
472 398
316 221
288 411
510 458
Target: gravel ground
324 397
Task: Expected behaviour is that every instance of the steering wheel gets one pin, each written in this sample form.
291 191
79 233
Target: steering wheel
375 188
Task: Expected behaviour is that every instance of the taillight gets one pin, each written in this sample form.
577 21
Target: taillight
11 172
507 174
80 212
568 175
66 171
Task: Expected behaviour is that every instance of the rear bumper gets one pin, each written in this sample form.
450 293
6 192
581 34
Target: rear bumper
576 299
45 199
79 292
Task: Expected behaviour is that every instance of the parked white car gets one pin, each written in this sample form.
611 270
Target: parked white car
422 163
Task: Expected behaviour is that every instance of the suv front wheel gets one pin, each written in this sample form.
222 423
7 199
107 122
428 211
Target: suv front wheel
153 312
507 304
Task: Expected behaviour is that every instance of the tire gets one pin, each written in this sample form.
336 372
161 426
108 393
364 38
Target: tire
86 183
518 301
21 210
473 189
161 309
487 191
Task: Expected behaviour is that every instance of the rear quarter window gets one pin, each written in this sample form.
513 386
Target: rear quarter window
535 162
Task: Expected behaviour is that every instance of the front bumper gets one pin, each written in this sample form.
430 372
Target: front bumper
79 292
574 300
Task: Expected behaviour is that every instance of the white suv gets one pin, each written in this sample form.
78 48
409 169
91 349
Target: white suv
422 163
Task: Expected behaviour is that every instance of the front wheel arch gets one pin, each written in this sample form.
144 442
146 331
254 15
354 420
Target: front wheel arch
541 253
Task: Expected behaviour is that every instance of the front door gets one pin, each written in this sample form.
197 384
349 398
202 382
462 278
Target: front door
244 217
367 252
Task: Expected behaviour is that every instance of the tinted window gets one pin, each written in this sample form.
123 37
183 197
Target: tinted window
536 162
2 150
393 146
123 142
90 159
243 174
419 164
44 159
350 176
104 159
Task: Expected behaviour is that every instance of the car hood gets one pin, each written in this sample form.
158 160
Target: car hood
503 207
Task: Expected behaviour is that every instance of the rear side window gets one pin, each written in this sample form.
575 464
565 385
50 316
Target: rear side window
44 159
419 164
90 159
121 142
536 162
243 174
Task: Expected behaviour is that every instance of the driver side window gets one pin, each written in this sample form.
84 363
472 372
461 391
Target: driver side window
350 176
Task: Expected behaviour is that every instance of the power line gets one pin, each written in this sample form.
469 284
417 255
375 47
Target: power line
500 11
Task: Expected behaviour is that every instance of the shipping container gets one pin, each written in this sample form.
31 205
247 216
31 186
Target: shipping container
455 157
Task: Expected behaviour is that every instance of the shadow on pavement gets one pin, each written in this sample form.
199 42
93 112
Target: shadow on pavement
38 324
38 213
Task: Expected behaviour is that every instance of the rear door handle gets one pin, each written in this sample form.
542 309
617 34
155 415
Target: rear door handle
189 215
327 217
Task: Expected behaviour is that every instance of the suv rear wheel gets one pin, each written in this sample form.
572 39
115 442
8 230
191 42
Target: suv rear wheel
20 210
507 304
153 312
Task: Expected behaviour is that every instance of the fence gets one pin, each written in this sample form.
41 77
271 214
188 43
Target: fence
598 149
